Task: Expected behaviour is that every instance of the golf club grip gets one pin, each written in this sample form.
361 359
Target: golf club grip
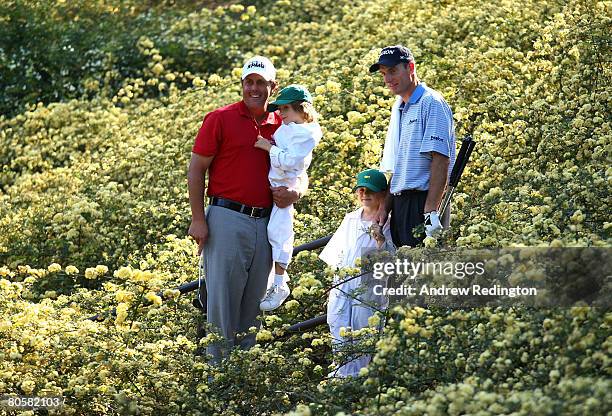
467 146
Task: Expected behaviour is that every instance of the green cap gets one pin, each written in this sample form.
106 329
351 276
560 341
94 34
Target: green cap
372 179
290 94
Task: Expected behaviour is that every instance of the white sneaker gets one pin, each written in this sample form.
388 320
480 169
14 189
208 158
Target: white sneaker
275 296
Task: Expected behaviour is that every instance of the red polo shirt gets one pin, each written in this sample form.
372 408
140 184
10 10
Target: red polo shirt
238 171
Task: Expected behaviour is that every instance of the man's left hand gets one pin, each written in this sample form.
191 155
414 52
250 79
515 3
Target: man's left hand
284 197
432 224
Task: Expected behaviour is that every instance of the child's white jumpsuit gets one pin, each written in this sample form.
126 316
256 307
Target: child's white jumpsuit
352 303
289 158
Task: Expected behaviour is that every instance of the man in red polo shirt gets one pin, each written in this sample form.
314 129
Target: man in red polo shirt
233 232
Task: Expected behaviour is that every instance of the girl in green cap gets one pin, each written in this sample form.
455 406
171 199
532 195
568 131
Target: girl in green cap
351 304
290 156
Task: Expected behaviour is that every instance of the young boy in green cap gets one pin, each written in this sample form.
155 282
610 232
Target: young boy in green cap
290 156
358 234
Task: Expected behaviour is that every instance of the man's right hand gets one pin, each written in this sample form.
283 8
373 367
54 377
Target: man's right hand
198 230
381 216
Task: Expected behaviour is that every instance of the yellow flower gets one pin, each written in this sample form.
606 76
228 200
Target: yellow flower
172 293
410 329
124 296
28 386
157 68
198 82
316 342
333 87
146 42
50 294
214 79
355 117
71 270
142 276
101 270
577 217
122 312
292 304
123 273
430 242
264 335
374 320
54 267
90 273
298 291
236 8
153 298
281 73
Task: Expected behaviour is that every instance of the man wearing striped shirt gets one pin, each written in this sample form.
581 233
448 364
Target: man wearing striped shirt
419 151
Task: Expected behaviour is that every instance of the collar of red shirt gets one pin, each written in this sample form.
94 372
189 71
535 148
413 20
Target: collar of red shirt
244 111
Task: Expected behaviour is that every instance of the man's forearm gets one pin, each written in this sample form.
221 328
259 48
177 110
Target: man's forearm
437 182
388 201
195 184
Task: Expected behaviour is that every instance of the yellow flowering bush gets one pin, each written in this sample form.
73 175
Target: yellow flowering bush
94 206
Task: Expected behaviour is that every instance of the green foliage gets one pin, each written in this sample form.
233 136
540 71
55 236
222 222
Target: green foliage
50 49
59 50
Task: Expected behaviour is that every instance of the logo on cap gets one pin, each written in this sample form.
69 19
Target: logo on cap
256 64
259 65
391 56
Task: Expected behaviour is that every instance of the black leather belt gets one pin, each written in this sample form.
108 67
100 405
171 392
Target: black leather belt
253 212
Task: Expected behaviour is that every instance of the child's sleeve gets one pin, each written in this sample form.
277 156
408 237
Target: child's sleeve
333 253
302 184
296 156
388 244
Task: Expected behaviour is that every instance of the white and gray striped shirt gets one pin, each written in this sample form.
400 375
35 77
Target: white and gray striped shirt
426 126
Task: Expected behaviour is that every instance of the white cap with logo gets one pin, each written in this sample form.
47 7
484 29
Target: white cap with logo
259 65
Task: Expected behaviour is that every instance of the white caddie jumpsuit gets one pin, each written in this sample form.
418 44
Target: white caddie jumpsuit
346 305
289 159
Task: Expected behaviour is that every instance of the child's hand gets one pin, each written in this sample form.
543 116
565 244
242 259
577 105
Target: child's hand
376 233
263 144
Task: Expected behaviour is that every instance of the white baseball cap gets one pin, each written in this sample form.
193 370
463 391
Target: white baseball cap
259 65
